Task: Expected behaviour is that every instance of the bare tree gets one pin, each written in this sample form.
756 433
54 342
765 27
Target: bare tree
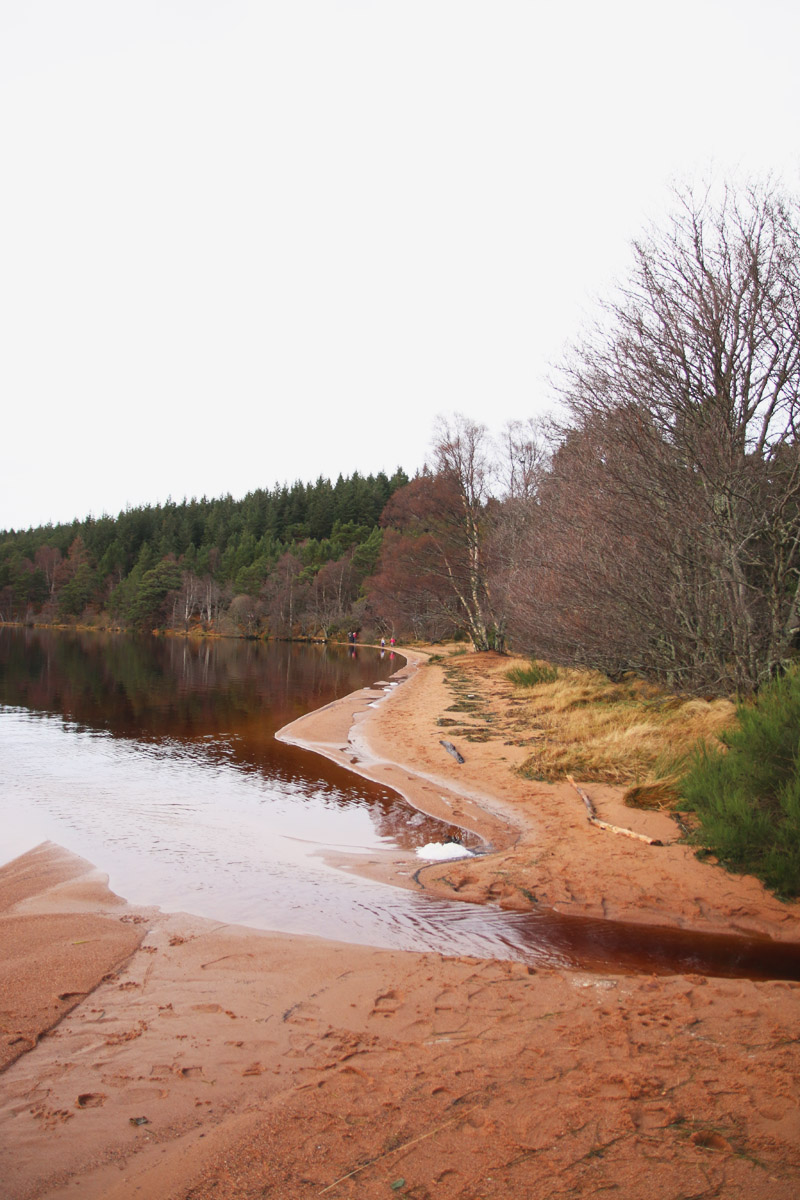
523 454
687 392
463 456
48 559
434 568
522 458
188 600
245 614
212 599
330 595
603 580
283 594
411 590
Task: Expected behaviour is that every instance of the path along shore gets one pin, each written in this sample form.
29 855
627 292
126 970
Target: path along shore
162 1054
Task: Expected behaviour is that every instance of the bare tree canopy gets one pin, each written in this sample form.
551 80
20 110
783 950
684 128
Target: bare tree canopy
670 535
436 569
705 337
523 456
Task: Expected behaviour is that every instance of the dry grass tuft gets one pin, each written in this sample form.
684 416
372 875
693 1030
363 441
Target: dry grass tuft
615 732
660 793
581 723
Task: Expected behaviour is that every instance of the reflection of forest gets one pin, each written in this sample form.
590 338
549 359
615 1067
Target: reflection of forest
227 697
168 687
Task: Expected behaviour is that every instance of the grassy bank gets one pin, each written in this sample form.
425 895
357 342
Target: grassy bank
734 768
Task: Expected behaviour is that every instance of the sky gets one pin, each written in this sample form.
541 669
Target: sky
244 243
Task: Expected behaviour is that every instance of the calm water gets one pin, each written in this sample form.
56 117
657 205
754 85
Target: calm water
156 760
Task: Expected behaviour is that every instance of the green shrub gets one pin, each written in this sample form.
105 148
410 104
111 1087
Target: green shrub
746 793
532 675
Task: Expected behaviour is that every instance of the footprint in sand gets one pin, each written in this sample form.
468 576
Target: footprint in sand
214 1008
50 1117
147 1094
90 1100
386 1004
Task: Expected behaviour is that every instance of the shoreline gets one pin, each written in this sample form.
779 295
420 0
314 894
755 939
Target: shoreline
541 849
266 1064
341 731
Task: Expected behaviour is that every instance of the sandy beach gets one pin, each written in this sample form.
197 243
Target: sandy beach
154 1054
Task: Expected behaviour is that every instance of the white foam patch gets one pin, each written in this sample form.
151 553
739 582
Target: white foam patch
443 850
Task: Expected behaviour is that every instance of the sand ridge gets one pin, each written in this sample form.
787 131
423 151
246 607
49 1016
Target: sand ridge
61 930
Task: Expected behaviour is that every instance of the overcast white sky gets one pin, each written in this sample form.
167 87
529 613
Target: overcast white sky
245 243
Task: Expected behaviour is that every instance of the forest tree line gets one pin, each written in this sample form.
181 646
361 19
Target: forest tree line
286 562
651 524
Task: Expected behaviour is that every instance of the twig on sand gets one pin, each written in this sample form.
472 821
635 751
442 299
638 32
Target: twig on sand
595 820
395 1149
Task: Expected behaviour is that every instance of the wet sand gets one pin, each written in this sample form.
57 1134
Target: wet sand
207 1060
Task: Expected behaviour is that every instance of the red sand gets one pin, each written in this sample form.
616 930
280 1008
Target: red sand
215 1061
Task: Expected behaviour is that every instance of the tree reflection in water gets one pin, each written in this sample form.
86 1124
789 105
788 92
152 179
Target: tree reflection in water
222 697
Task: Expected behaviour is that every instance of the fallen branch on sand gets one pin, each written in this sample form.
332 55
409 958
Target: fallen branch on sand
450 748
595 820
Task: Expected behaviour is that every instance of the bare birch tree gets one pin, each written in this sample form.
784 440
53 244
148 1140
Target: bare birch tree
463 458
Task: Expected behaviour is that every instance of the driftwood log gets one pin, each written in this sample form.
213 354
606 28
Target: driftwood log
595 820
450 748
